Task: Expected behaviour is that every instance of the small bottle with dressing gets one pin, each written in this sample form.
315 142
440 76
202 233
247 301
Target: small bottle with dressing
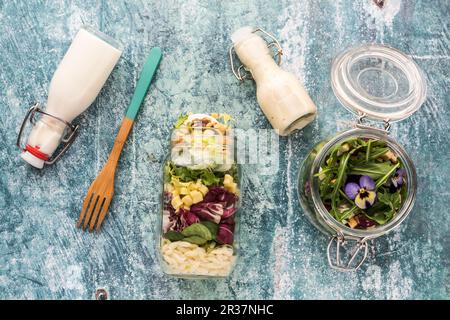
76 83
280 94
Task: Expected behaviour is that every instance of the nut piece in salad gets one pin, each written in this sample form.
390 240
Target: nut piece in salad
362 183
201 193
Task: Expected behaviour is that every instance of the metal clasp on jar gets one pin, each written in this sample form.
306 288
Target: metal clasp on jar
360 124
246 74
68 139
360 248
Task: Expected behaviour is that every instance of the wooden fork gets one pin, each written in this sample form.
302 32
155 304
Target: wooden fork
101 191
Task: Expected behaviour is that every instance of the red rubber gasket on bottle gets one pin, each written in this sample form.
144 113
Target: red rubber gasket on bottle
35 152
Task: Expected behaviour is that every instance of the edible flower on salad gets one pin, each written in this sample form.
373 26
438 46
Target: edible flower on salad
362 182
397 179
363 193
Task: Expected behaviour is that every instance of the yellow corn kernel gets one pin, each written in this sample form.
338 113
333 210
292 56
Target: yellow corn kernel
196 196
176 202
215 115
227 180
192 186
175 193
232 187
187 200
203 189
184 190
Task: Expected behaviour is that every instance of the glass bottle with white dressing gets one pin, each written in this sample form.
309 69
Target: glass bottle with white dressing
280 94
76 83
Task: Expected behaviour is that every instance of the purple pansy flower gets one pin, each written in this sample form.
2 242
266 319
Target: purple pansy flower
398 178
363 193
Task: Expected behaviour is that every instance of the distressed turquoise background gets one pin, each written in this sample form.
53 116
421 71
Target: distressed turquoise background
43 255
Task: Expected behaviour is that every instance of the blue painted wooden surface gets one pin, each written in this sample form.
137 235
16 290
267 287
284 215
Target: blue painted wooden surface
42 255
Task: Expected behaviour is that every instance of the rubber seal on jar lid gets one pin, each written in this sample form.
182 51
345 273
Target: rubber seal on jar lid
378 81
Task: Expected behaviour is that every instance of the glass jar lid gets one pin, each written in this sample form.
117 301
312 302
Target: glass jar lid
379 82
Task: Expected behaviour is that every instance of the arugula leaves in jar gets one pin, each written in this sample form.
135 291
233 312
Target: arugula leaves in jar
362 183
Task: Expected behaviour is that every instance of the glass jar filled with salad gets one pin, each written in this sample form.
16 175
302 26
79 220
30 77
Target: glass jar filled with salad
361 184
200 200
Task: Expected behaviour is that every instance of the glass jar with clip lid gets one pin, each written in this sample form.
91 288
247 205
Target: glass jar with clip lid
360 184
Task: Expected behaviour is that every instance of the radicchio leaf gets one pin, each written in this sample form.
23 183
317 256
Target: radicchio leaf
166 200
208 211
228 213
172 220
225 234
219 194
166 223
189 217
229 221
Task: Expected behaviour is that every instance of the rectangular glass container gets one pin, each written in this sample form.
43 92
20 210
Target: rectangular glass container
199 219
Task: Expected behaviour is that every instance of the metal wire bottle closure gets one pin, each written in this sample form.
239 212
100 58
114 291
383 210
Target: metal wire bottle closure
247 75
71 131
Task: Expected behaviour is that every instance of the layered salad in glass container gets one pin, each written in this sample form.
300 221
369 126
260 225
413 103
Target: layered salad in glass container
200 198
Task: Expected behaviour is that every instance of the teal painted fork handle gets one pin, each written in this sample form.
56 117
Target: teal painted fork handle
147 73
